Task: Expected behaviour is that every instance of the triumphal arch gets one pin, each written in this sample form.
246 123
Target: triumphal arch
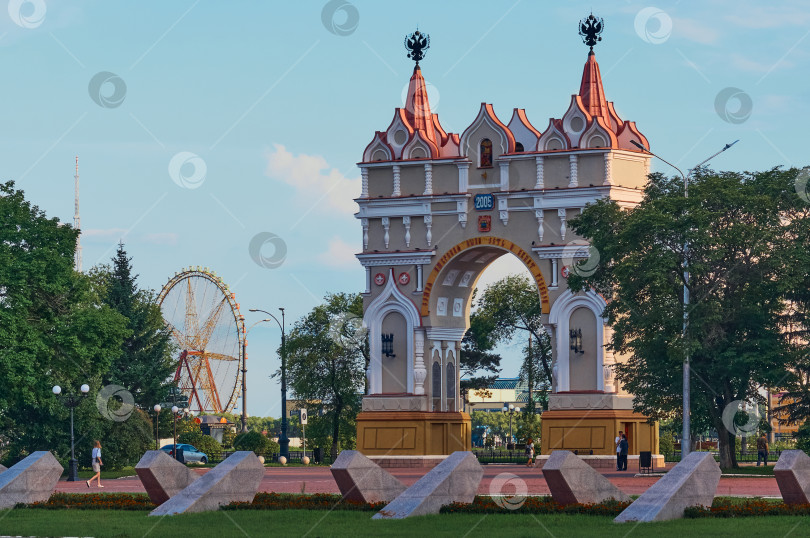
437 208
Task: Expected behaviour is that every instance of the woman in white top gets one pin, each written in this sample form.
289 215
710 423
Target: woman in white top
530 452
96 464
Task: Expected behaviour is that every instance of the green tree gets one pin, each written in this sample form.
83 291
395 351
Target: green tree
742 230
326 362
498 423
145 363
255 441
52 330
512 307
479 367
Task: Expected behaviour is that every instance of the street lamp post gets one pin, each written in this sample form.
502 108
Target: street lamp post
157 409
686 437
244 374
511 409
71 401
283 441
175 409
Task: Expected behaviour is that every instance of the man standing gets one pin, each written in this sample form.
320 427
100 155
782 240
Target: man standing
623 449
762 450
617 442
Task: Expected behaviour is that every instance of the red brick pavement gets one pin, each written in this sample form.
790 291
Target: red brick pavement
319 480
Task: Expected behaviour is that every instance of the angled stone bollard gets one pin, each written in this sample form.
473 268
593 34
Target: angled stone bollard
571 481
692 482
236 479
792 473
32 480
362 480
456 479
163 476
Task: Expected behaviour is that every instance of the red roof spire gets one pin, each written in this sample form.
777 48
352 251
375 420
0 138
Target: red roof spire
591 91
417 106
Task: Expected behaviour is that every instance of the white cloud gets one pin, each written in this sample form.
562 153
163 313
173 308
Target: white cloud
340 254
315 182
752 66
694 30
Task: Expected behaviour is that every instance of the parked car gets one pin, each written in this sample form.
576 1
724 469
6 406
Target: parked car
190 453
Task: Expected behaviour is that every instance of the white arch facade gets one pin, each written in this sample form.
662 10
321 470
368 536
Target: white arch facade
391 299
559 318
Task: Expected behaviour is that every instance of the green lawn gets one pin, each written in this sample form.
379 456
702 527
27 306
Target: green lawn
85 474
751 469
39 522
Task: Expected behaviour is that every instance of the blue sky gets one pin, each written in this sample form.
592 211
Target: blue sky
279 99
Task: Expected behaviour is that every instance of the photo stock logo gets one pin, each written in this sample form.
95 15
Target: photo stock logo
115 403
508 491
187 170
347 330
733 105
580 257
262 243
802 184
340 17
741 418
27 13
653 25
107 90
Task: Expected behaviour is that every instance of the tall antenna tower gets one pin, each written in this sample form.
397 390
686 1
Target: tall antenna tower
77 221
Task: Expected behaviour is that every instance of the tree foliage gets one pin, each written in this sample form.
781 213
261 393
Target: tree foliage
746 233
326 360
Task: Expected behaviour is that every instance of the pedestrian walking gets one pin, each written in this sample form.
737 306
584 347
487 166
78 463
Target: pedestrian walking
530 452
96 456
623 449
762 450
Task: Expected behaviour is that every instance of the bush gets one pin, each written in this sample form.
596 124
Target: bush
210 446
666 443
256 442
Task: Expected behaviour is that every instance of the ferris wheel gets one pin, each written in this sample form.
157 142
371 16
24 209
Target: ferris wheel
209 330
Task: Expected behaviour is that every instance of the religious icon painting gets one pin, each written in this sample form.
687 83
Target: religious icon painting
485 223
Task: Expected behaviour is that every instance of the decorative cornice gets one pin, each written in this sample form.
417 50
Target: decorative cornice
378 259
561 251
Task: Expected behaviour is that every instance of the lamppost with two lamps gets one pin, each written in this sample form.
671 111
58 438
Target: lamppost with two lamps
511 409
686 437
71 401
283 440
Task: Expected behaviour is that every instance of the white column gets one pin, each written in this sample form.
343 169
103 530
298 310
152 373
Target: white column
540 180
443 367
463 176
419 277
608 168
364 189
428 179
368 279
364 223
550 329
504 175
572 180
397 191
555 271
386 224
419 370
429 225
457 380
406 221
538 213
563 229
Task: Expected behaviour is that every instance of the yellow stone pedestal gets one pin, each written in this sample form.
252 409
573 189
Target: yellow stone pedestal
590 431
412 433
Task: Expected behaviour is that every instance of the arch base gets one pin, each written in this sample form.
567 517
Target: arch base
592 432
412 433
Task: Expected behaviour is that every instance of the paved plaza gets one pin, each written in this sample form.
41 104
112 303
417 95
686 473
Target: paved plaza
319 480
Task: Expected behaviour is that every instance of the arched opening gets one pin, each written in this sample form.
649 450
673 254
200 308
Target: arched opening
485 154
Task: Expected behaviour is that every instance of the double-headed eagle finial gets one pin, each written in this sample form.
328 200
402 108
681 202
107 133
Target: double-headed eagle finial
590 28
416 44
